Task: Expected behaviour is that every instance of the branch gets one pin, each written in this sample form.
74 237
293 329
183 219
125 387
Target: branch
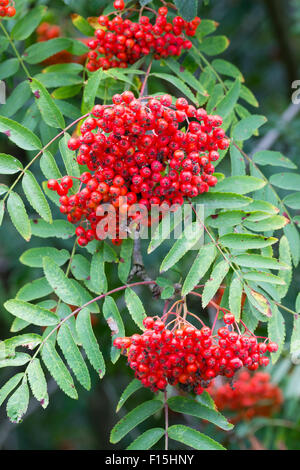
138 268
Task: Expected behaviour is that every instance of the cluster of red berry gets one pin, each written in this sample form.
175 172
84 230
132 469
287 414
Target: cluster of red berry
135 149
248 397
47 31
120 42
7 9
189 357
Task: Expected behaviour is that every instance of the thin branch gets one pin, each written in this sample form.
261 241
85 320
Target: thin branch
138 268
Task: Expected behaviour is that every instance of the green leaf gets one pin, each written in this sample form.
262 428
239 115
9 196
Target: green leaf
206 27
28 340
114 320
4 44
134 385
40 51
263 206
90 91
295 341
34 256
98 278
226 68
268 224
241 184
212 285
80 268
276 331
248 126
89 342
190 236
246 241
259 302
162 232
20 135
270 157
238 166
69 158
147 440
193 438
73 356
19 96
49 167
58 370
77 47
258 261
286 181
3 189
248 96
2 209
235 297
124 264
226 106
20 359
186 75
223 200
18 215
10 386
9 165
134 418
62 286
48 109
293 201
37 381
259 276
135 307
85 297
191 407
28 23
214 45
36 197
178 83
65 92
58 229
54 79
293 237
82 25
8 68
31 313
203 261
187 9
18 403
286 259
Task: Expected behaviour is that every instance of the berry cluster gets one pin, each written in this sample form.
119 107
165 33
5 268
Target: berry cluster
7 9
189 357
120 42
47 31
135 149
248 397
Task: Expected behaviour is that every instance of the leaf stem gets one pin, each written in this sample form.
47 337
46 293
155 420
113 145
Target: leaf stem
15 51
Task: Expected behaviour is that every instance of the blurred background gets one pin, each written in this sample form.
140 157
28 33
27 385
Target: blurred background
265 45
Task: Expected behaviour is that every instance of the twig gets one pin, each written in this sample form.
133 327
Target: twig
138 268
